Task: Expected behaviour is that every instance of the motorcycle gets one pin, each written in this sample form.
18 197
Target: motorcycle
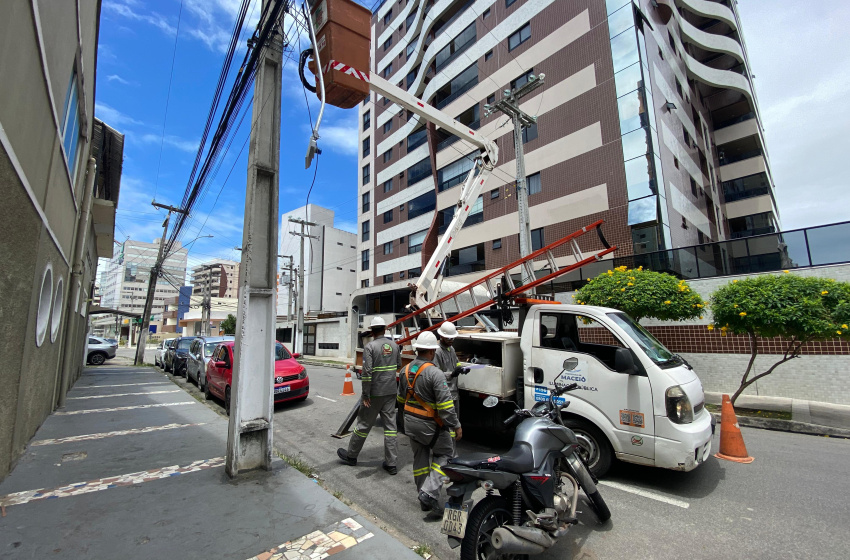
537 481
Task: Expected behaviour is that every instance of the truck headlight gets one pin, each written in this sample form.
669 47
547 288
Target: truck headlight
303 374
679 409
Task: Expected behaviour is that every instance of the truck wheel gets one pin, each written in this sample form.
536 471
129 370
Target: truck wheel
594 448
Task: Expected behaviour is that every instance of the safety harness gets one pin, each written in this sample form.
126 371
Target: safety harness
420 408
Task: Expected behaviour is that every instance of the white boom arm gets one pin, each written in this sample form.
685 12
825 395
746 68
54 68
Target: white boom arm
429 281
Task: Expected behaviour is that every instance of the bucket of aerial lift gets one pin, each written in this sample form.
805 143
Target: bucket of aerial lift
343 34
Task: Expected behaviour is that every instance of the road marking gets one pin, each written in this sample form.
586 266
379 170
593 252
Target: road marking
645 493
101 435
124 395
120 408
321 397
124 385
99 484
320 544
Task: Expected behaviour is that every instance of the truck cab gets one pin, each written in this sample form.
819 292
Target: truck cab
637 400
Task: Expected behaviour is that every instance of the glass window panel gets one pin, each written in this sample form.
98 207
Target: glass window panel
614 5
624 51
685 263
643 210
650 104
793 251
632 111
621 20
642 48
535 185
829 244
659 176
635 144
662 204
628 79
668 239
639 178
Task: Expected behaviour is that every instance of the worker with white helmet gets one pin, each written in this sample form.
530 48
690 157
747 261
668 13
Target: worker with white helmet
381 362
430 420
446 360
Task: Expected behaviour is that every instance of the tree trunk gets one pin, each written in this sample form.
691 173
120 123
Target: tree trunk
791 352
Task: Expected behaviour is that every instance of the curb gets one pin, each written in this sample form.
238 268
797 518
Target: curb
324 364
789 426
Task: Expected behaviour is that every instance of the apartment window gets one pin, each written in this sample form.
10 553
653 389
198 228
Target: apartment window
694 190
509 3
414 272
537 239
418 171
388 248
388 216
366 174
494 194
71 125
488 55
411 77
466 260
408 22
388 278
456 46
367 120
687 137
497 244
364 283
388 126
676 163
401 240
388 17
491 99
684 223
679 88
388 155
476 213
415 241
453 174
388 186
366 202
422 204
535 185
365 231
519 37
364 260
386 101
529 133
486 14
401 275
388 43
366 147
416 139
411 47
522 80
459 85
387 71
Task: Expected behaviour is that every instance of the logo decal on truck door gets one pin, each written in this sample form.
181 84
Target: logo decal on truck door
632 418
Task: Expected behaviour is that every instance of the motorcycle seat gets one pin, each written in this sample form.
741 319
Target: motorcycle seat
517 460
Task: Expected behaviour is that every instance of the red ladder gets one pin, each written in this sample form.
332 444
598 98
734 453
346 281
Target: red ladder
513 291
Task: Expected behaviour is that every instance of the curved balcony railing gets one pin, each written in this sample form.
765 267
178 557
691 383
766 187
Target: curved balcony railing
712 10
710 41
723 79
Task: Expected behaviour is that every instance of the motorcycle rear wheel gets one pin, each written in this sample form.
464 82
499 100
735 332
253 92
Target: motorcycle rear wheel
489 514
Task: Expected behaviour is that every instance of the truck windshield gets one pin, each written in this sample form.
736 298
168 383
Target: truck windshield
648 343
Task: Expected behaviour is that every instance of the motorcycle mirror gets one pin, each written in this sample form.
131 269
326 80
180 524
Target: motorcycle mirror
490 402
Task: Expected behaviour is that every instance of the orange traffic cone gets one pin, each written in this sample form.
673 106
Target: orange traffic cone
732 446
348 387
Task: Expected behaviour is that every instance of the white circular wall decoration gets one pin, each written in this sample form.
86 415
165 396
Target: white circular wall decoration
45 298
56 316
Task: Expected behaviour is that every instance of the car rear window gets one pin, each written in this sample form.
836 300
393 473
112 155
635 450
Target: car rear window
209 347
185 344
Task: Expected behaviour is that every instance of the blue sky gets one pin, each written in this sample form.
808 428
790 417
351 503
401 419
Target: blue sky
137 39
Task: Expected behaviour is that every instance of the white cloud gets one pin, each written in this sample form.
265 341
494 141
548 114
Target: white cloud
190 146
113 117
117 78
128 9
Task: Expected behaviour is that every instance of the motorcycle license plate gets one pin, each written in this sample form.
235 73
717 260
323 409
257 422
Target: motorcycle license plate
454 521
284 389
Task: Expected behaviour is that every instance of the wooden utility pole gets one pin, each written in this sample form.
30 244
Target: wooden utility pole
299 345
152 281
509 105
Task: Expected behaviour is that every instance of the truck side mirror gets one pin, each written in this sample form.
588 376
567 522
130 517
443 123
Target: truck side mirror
538 374
624 362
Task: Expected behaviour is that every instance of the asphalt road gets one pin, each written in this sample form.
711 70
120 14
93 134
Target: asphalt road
790 503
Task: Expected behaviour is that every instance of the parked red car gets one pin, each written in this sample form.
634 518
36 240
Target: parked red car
290 377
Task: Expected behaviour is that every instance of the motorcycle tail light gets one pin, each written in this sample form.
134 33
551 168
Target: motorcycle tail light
453 475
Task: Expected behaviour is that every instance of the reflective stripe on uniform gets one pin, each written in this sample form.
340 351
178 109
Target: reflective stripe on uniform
359 433
436 467
384 368
445 405
423 470
452 433
399 399
388 433
365 378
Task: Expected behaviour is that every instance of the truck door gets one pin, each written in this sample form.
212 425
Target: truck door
605 395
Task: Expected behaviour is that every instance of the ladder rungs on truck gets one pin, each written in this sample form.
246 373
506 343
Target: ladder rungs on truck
512 291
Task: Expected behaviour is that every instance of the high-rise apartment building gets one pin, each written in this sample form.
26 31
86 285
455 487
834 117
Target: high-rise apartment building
124 282
647 119
218 277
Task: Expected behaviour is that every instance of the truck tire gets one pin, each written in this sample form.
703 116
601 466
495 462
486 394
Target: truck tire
595 449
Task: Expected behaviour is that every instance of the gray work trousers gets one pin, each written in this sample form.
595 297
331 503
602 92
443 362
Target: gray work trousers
385 406
430 453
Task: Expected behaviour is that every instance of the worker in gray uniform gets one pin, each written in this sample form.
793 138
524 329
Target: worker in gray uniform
381 361
446 360
430 420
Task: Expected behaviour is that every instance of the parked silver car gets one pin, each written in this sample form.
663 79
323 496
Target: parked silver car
100 350
199 355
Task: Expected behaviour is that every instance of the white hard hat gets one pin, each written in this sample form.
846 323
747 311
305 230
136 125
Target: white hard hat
426 341
447 330
377 322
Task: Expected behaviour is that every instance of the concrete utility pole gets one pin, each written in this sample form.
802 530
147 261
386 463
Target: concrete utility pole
206 306
299 346
152 280
509 105
249 436
290 269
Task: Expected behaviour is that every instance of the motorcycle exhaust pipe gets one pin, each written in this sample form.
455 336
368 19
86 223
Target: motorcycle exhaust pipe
520 540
